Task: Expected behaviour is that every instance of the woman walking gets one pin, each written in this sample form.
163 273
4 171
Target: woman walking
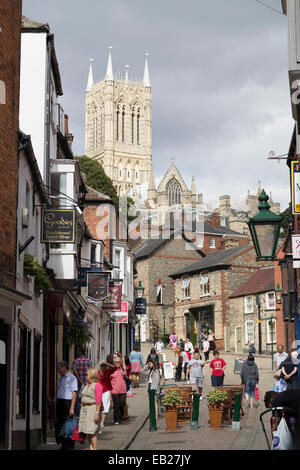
153 357
90 407
154 383
211 339
118 390
250 377
106 369
136 362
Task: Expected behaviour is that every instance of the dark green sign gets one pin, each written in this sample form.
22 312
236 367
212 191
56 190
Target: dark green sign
58 226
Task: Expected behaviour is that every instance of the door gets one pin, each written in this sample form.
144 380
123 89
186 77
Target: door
238 339
4 383
227 338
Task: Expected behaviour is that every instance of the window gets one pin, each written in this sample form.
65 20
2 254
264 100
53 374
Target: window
117 122
270 301
132 128
59 188
123 124
174 192
204 285
117 264
212 243
200 240
138 127
94 255
249 332
271 331
95 133
186 289
36 374
249 304
159 293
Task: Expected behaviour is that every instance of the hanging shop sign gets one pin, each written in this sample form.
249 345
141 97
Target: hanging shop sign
114 299
58 226
296 251
122 315
140 306
97 286
295 172
82 275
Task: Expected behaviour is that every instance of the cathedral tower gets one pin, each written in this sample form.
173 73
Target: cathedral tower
119 127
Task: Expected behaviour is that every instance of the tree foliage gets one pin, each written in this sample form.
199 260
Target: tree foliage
287 220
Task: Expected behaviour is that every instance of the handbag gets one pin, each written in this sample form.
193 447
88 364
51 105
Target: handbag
68 427
76 435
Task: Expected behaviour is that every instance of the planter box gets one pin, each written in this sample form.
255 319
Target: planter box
171 420
215 418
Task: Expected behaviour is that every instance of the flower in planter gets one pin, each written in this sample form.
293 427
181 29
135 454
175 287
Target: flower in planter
171 399
79 333
217 397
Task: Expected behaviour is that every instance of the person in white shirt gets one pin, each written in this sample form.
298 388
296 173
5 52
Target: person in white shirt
189 346
159 345
206 349
65 402
185 361
279 357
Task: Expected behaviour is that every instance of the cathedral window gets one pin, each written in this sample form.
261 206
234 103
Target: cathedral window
174 192
95 133
132 128
117 122
138 127
123 124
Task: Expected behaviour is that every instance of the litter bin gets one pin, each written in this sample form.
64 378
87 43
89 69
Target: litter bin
238 363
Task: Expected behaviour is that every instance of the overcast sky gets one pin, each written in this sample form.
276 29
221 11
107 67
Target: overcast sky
219 76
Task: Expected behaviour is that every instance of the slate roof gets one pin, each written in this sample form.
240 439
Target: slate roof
220 258
261 281
150 246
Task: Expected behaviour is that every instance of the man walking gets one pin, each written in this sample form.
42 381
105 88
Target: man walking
65 402
80 366
195 372
279 357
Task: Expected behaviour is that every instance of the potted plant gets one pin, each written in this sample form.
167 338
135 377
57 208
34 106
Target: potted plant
78 333
32 267
170 400
216 398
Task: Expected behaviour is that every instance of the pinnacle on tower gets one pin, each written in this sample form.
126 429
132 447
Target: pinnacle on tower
126 74
193 186
109 71
90 82
146 79
152 189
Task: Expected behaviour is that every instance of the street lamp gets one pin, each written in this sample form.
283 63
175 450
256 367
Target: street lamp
139 293
278 293
265 228
164 308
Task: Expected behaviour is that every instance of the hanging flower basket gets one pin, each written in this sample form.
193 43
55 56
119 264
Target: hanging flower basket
79 333
32 267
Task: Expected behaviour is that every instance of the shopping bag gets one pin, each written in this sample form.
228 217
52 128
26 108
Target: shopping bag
282 438
68 427
76 436
256 394
280 385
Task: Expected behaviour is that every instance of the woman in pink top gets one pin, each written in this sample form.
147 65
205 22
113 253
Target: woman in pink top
90 407
106 369
118 391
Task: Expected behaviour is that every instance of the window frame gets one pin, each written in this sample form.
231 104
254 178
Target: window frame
247 340
269 331
186 288
268 307
204 285
246 309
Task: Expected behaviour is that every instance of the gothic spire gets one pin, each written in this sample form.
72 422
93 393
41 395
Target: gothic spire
126 74
193 186
90 82
146 79
109 71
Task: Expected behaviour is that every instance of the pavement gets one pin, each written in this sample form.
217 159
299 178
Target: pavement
134 433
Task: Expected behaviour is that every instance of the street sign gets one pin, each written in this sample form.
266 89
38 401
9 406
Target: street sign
295 170
122 316
97 284
82 275
113 301
140 306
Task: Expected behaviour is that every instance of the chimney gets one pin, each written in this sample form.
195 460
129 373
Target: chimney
215 220
69 136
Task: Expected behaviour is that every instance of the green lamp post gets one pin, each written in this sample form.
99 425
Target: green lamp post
139 292
265 228
164 308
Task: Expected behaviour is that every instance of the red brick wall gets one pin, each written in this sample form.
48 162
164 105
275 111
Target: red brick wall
10 38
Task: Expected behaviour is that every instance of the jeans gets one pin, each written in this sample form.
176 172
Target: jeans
250 385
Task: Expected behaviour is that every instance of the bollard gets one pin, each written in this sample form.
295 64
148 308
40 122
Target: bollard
195 415
236 425
152 414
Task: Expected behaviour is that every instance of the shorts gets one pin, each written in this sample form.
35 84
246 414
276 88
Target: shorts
106 402
196 382
250 385
217 380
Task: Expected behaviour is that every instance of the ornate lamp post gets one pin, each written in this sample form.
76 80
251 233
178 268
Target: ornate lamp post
139 293
265 228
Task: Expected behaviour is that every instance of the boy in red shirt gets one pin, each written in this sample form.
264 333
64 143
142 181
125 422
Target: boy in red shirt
217 367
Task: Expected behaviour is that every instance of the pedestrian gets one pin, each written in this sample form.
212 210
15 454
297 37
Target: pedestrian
79 367
178 364
217 367
181 343
153 357
194 373
127 379
136 362
279 357
211 339
201 340
289 370
289 399
173 341
159 345
185 361
252 349
118 390
189 348
65 402
154 383
89 420
250 378
106 369
205 346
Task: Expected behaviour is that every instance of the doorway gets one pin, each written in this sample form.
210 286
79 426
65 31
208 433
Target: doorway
4 383
238 340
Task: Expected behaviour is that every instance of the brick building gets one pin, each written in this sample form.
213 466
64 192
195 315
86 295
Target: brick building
202 290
